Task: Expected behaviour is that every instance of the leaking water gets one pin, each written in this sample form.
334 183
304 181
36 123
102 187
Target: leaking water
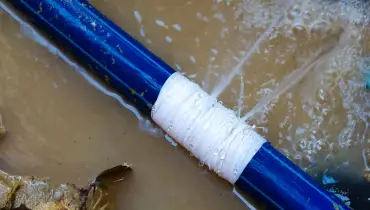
294 77
225 82
277 68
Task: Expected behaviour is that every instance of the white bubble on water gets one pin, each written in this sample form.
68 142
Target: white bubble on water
138 16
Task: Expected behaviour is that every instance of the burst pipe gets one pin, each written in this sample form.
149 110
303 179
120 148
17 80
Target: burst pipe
211 132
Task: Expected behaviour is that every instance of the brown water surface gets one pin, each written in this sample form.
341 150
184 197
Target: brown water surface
62 127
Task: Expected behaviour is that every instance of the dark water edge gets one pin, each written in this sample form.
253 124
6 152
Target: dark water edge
354 192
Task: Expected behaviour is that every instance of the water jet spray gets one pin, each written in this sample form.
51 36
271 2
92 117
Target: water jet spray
212 133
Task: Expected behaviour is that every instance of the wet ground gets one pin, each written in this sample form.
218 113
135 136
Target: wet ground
62 127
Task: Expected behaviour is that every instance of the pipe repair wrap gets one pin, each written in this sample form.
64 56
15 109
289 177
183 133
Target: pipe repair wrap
213 133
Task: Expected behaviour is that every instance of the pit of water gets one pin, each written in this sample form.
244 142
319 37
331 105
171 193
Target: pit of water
294 69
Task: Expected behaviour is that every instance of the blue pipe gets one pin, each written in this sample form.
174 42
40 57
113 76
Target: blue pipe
104 48
279 184
114 56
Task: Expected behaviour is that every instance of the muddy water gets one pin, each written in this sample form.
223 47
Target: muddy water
319 119
62 127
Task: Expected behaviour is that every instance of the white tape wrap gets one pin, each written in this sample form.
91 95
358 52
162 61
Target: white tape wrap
211 132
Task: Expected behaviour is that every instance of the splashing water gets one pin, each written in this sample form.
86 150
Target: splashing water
322 125
294 78
313 130
226 81
285 85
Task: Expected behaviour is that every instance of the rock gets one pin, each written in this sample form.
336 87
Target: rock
29 192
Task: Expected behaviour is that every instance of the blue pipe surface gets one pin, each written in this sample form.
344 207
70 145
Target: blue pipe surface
116 57
273 178
100 45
